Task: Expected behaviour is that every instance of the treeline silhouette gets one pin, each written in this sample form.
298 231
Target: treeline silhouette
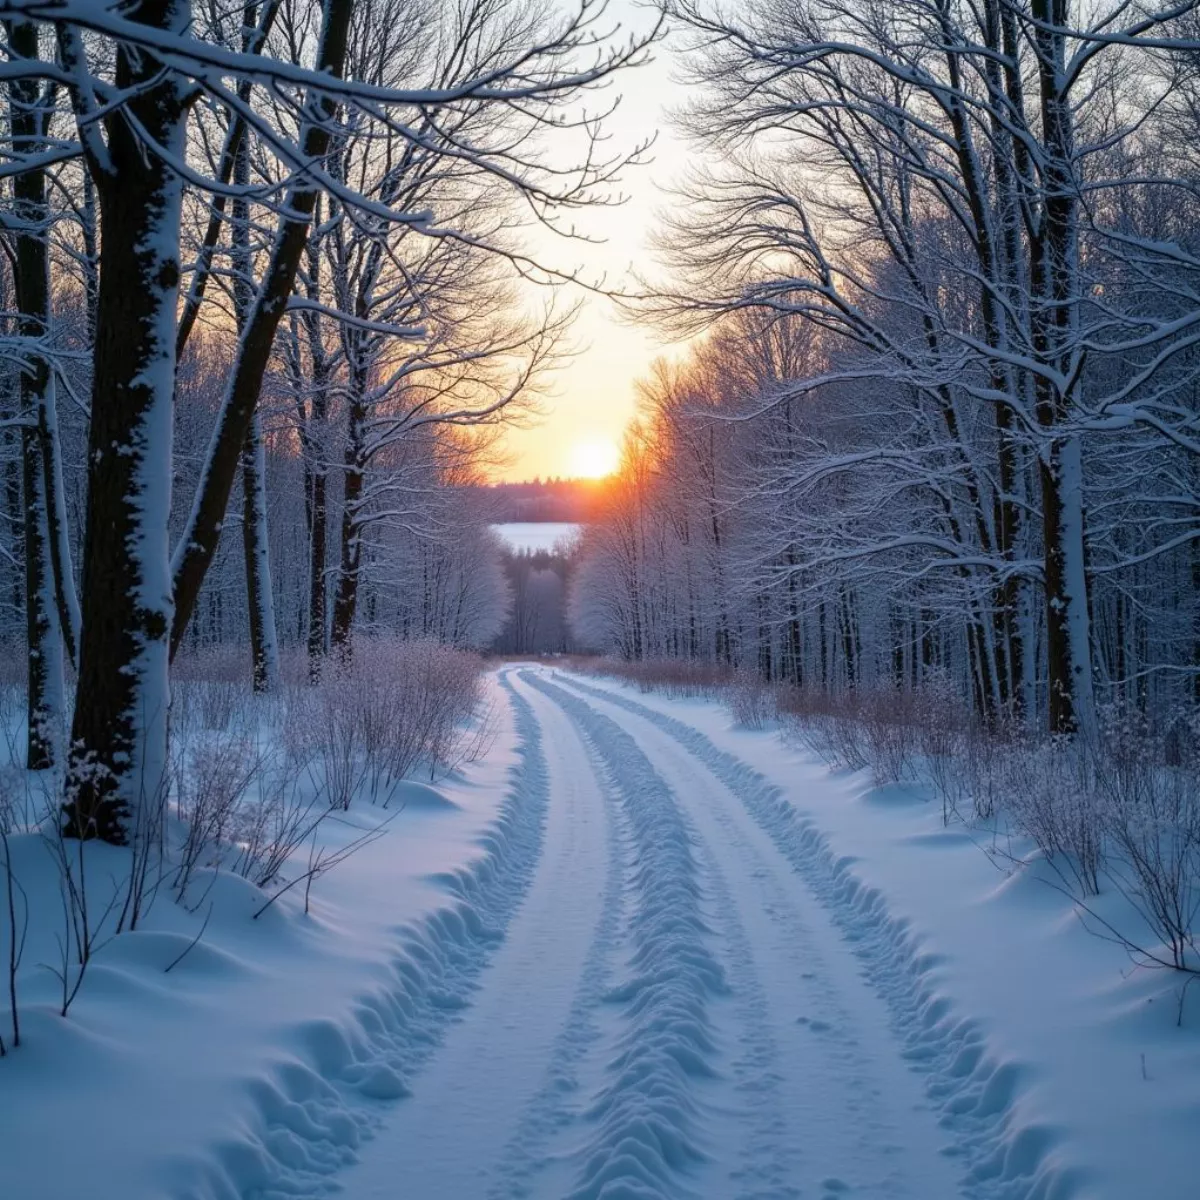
536 500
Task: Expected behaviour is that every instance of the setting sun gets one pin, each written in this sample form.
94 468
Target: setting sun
594 459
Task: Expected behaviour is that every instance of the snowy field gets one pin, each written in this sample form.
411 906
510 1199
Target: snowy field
632 952
532 536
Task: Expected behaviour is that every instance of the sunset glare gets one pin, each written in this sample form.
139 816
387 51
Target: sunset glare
594 459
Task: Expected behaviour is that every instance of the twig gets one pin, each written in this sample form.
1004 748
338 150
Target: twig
190 946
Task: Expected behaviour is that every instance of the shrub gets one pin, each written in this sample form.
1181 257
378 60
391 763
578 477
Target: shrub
1120 808
275 820
212 776
1149 802
753 702
1049 790
891 722
677 678
394 708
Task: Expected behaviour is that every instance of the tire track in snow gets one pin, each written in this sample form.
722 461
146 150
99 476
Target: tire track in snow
849 1114
475 1126
976 1097
311 1116
766 1158
646 1121
556 1105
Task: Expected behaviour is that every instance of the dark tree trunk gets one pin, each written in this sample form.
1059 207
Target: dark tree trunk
318 537
203 530
118 735
264 642
1054 284
260 603
15 511
318 472
1194 555
345 603
44 695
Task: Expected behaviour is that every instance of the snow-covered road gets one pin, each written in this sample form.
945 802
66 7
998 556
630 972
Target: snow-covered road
630 952
691 1001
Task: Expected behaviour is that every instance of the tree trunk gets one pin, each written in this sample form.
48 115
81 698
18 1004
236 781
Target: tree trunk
45 703
115 783
203 529
13 504
318 536
45 700
1194 565
260 601
264 642
318 470
345 602
1054 276
1067 622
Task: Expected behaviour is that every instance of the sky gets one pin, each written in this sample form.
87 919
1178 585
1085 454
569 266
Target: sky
592 397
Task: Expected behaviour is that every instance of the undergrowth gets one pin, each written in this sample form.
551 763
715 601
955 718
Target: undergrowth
1116 809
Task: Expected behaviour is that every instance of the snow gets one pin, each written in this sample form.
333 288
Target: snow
259 1063
632 952
1095 1080
528 537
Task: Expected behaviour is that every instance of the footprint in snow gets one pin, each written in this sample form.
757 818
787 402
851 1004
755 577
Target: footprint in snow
815 1024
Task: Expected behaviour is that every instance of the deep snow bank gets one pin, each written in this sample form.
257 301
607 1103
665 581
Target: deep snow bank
260 1062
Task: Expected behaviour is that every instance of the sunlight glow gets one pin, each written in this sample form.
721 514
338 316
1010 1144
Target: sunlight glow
594 459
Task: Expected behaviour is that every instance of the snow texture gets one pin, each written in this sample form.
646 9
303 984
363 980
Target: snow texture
632 954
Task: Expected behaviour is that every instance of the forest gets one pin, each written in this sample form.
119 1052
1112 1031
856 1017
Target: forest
925 484
939 421
750 839
261 280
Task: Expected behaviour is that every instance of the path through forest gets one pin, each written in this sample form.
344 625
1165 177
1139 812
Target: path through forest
690 1000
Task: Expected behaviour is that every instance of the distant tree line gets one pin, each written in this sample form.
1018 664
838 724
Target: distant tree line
572 501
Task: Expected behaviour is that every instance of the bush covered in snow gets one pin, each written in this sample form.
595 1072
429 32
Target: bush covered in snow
396 707
253 779
1114 810
752 701
679 678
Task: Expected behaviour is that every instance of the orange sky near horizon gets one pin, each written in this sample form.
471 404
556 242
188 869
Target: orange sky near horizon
591 398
